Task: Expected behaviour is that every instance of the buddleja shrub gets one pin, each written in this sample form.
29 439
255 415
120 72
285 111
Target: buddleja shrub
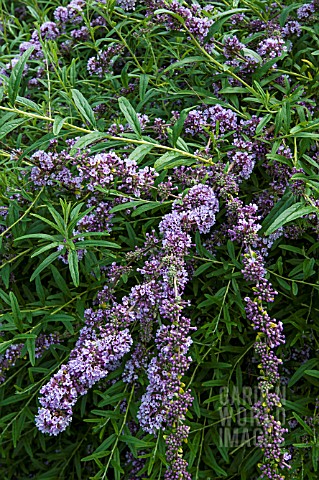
159 240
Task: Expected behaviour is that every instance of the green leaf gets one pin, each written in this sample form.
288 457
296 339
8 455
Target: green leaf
91 234
57 217
30 344
46 262
202 268
194 446
58 124
214 383
25 336
17 427
311 135
130 115
250 53
284 203
13 399
76 217
6 117
144 79
95 243
95 455
5 345
86 140
178 127
292 213
262 123
106 443
294 288
169 12
43 236
312 373
126 205
291 248
74 267
231 11
16 75
83 107
44 249
315 457
41 144
216 27
166 159
29 103
136 442
9 126
286 11
303 424
57 226
182 145
180 63
115 462
233 90
300 372
210 460
16 314
5 297
297 406
140 152
145 208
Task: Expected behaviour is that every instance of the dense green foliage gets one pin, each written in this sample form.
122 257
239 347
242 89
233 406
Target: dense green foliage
157 70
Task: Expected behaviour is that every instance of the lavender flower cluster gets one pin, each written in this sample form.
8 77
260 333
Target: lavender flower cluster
197 120
97 351
102 63
102 168
102 343
195 18
154 306
165 402
82 172
13 353
269 335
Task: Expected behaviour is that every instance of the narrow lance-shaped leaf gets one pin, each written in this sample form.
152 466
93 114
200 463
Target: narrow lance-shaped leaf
58 124
166 159
9 126
47 261
146 207
297 210
30 344
74 267
130 115
140 152
83 106
303 424
86 140
178 127
16 75
312 373
44 248
301 371
29 103
144 79
126 205
16 313
95 243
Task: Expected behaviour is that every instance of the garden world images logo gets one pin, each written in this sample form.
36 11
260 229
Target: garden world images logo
238 425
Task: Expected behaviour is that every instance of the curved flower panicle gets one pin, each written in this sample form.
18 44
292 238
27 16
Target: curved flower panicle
90 361
269 336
